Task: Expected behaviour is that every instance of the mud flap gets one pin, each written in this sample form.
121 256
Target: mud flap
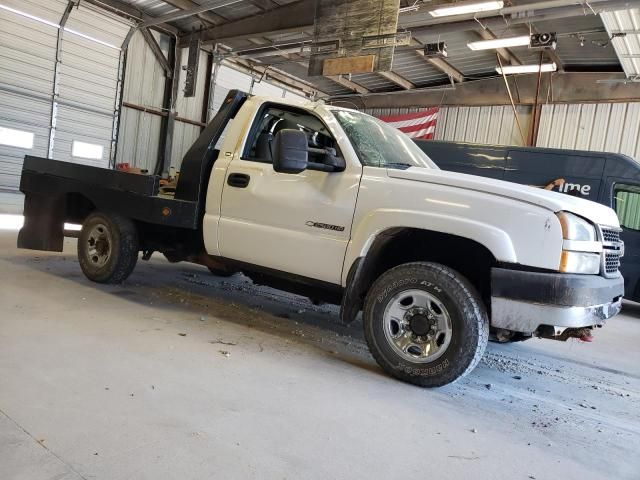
43 227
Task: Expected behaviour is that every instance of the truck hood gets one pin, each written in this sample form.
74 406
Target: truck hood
553 201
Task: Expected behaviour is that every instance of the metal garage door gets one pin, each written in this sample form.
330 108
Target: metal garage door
27 62
88 87
87 81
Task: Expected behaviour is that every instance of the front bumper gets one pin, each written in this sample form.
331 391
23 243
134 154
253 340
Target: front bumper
522 301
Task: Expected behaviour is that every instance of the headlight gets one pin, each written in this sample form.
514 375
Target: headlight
576 228
581 249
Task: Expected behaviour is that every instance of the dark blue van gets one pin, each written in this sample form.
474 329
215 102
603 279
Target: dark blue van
611 179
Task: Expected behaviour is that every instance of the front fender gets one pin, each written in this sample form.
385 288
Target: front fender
497 241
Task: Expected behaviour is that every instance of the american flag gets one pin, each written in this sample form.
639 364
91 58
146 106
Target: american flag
420 124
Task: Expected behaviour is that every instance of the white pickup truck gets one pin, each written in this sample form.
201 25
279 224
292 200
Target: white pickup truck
338 206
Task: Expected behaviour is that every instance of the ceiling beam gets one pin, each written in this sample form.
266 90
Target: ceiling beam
292 17
270 50
208 17
444 66
397 79
299 16
127 11
345 82
505 53
264 5
172 17
157 51
339 79
279 76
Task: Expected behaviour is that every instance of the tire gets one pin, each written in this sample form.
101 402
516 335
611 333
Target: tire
441 325
108 247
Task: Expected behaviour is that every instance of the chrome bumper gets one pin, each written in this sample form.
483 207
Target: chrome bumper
523 301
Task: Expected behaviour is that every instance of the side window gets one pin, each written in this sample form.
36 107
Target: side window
275 118
627 204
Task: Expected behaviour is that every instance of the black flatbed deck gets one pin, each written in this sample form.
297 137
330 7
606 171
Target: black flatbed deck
133 195
57 192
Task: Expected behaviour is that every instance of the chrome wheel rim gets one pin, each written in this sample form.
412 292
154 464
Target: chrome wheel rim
417 326
98 245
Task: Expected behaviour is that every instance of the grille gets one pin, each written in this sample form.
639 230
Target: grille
613 250
611 262
610 236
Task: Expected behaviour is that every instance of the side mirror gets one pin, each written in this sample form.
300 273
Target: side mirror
290 154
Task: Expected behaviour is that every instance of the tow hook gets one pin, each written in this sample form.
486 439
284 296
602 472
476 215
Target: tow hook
553 333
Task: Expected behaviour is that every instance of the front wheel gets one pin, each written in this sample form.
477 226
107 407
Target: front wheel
108 247
425 324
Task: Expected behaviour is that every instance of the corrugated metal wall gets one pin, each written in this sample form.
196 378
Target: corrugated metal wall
610 127
144 82
190 108
491 125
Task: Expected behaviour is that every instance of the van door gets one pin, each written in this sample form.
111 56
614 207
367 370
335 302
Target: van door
578 175
483 160
626 202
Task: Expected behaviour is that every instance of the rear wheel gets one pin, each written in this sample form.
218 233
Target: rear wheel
108 247
425 324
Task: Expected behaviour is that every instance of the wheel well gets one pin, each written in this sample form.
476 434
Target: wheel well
78 207
470 258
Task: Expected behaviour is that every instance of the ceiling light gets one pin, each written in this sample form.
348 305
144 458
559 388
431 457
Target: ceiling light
500 43
466 7
512 69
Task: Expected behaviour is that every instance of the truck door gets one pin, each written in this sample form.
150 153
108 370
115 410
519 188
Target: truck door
296 223
579 175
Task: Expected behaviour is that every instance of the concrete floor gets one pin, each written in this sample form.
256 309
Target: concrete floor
179 375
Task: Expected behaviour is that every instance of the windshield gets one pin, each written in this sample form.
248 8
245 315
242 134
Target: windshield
378 144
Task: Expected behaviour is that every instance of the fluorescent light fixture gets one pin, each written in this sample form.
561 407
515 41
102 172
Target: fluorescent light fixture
512 69
522 41
86 150
16 138
466 7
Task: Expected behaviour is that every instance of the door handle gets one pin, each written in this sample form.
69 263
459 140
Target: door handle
238 180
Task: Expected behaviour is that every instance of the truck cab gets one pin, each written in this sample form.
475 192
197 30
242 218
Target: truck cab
336 205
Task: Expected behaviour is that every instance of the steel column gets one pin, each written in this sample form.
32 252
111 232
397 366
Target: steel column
117 110
169 105
56 78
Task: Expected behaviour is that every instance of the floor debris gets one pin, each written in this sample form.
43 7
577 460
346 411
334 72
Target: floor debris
221 342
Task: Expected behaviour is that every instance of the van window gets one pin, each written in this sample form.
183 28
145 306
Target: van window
627 204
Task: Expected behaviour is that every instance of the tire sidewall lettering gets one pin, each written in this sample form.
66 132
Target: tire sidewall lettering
383 296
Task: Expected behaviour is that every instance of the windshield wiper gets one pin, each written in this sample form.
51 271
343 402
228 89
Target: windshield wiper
401 165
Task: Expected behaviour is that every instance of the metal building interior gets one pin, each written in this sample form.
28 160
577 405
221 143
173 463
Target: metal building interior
161 378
